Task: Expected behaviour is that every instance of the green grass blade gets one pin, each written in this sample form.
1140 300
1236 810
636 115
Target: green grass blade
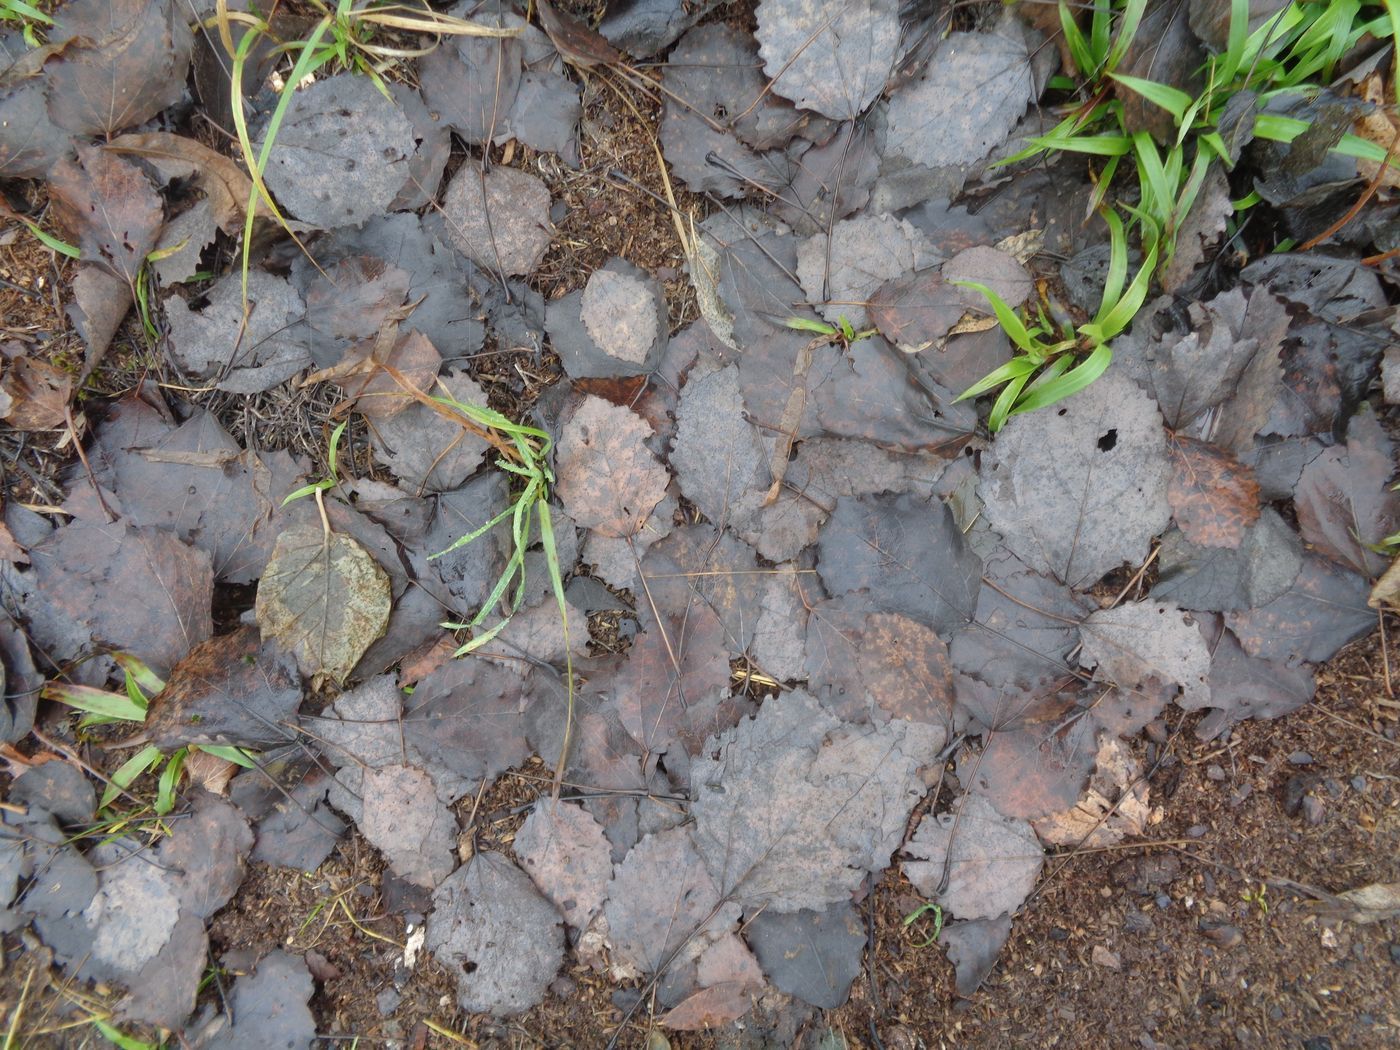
1074 39
807 324
1073 381
1014 369
126 774
237 755
100 702
1006 317
1097 145
1173 100
169 780
1117 263
52 243
1127 30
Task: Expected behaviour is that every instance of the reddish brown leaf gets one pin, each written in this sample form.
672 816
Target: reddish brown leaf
608 479
711 1008
38 394
576 43
226 186
1213 496
108 206
1029 774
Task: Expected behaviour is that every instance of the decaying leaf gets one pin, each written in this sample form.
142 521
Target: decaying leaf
842 271
324 599
1082 487
991 862
1323 610
500 220
974 91
495 934
812 955
403 818
793 807
226 186
1219 579
37 393
565 851
230 690
1140 643
712 1007
339 132
1345 501
973 947
107 207
1030 772
1114 806
832 60
608 479
1213 496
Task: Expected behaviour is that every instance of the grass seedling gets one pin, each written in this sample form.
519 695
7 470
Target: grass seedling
1053 361
332 471
919 912
843 333
101 707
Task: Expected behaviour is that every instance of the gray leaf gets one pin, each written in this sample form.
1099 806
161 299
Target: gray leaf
832 60
992 862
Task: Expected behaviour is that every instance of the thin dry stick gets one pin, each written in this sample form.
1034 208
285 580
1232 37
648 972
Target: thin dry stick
1351 213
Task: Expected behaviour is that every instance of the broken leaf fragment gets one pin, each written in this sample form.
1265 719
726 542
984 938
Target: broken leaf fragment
324 599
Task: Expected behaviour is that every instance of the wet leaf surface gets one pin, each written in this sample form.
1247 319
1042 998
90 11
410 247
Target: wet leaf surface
813 955
1323 610
1218 579
215 345
404 820
108 208
269 1007
1029 772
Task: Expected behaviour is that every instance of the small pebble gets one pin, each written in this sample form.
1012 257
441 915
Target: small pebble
1395 953
1300 758
1215 773
1221 933
1358 783
1137 922
1162 901
1196 831
1275 1013
1101 956
564 986
1059 933
1313 810
1240 793
1334 787
1317 1042
388 1001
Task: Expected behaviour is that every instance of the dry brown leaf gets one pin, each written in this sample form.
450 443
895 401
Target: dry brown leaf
712 1007
1387 588
1378 127
1114 806
38 394
608 478
225 185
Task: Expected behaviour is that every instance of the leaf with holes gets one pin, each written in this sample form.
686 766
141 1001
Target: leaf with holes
1213 496
108 206
324 599
1081 488
608 479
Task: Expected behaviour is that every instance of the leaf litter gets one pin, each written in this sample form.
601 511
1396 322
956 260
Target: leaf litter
823 592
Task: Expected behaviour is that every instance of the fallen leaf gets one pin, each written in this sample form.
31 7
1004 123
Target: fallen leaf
205 852
1243 686
867 666
1213 497
1375 902
814 956
1078 490
1030 772
108 207
471 82
499 221
608 480
38 394
834 62
1218 579
828 181
973 861
338 131
1323 610
564 850
500 940
404 820
1140 643
226 186
231 690
1345 500
793 807
713 1007
1114 806
242 354
1377 127
975 88
269 1007
972 948
615 327
30 142
577 45
842 270
908 553
124 61
324 599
